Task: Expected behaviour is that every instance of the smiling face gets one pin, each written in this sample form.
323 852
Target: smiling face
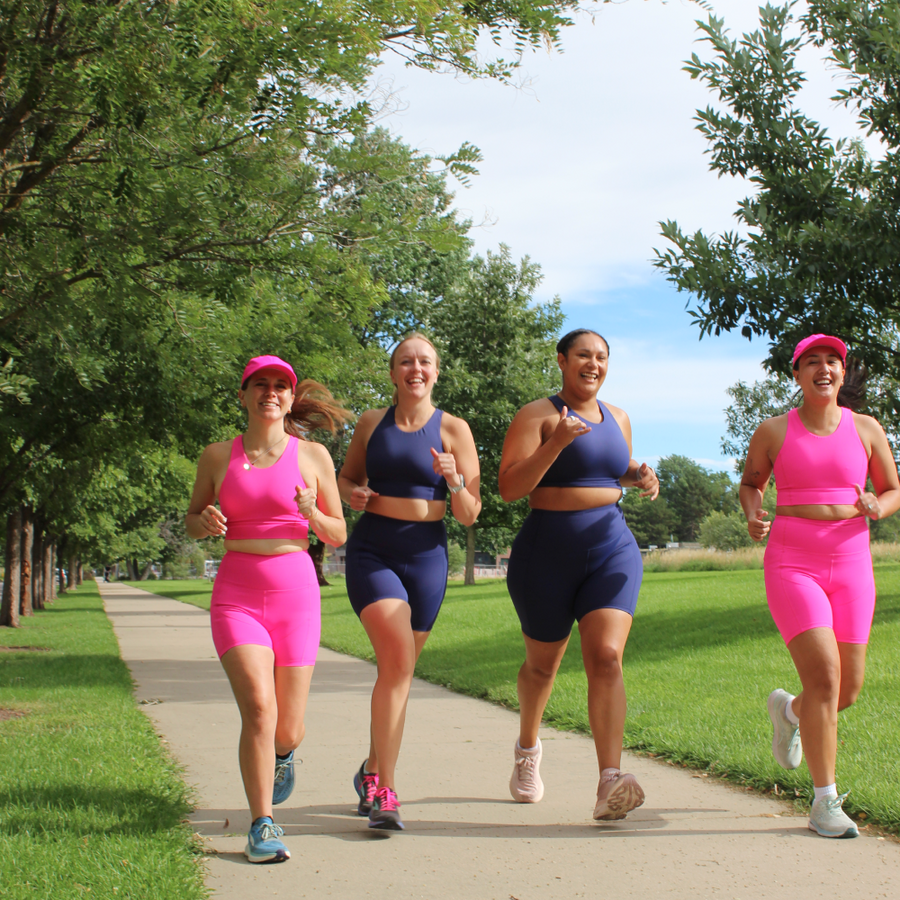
268 394
584 367
820 373
415 368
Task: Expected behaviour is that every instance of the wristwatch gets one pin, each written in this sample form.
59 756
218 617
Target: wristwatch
460 486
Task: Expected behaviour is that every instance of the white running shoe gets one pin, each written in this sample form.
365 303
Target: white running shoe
525 785
828 819
786 746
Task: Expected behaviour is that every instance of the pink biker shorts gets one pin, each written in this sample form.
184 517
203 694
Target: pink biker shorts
273 601
819 575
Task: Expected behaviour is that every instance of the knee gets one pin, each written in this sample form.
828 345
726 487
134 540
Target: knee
603 664
290 736
538 670
259 714
825 683
396 668
849 694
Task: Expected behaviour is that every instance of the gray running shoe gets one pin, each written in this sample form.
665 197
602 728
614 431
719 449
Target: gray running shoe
786 746
828 819
385 812
525 785
617 797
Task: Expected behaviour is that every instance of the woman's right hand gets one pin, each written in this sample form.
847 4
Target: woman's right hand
568 428
213 521
360 497
758 526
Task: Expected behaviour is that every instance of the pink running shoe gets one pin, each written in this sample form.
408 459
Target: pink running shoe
385 813
525 785
617 797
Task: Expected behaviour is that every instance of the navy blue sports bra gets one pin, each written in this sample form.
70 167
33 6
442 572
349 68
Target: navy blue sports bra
596 459
400 464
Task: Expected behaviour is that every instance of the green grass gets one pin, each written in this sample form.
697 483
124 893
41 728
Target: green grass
702 657
90 804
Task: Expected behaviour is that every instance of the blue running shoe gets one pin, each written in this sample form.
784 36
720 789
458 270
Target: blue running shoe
263 845
365 784
284 779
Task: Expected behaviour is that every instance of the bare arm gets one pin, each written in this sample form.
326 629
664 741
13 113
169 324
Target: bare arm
882 470
460 458
526 459
203 519
352 480
638 475
320 502
755 479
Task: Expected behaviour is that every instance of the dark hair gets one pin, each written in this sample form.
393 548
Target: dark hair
566 341
852 393
409 337
314 407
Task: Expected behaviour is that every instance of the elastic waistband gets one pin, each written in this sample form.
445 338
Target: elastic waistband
253 570
845 496
400 535
821 537
266 531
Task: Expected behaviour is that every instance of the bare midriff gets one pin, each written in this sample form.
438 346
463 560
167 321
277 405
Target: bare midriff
825 512
410 509
571 499
266 546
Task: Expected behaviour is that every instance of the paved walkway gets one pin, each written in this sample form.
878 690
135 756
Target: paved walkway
465 838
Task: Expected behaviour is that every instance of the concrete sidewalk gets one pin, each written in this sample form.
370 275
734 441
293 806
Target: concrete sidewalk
465 838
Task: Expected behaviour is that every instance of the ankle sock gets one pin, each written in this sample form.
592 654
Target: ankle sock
789 713
527 749
830 790
284 757
610 774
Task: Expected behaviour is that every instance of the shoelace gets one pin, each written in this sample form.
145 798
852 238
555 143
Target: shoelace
269 830
281 767
387 800
526 768
836 803
370 786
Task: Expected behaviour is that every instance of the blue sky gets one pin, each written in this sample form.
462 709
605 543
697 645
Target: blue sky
582 159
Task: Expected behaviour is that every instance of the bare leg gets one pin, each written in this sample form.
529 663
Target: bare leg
603 636
291 693
250 670
535 683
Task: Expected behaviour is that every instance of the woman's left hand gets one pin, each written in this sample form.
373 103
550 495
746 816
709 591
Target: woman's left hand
445 464
867 503
645 479
306 502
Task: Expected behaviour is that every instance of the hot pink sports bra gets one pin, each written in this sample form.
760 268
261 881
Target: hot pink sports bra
813 468
261 503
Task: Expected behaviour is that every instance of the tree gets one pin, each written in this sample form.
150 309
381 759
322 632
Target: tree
650 521
722 531
819 250
751 405
497 355
692 493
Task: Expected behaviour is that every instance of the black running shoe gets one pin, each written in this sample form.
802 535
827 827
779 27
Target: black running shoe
385 812
365 785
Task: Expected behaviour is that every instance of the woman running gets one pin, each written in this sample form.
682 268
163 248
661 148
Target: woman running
399 466
574 560
818 567
272 486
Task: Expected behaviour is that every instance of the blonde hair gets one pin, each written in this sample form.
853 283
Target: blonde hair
409 337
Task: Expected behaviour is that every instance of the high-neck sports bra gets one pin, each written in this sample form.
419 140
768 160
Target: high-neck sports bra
814 468
400 464
261 503
598 458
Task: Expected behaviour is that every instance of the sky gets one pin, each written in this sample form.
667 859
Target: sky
582 159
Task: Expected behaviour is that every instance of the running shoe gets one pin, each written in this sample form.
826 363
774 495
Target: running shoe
284 779
828 819
385 812
786 746
365 784
525 784
262 842
617 796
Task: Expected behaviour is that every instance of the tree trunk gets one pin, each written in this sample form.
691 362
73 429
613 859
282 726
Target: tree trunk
80 573
470 554
49 568
146 573
37 565
317 555
72 573
130 572
12 581
25 605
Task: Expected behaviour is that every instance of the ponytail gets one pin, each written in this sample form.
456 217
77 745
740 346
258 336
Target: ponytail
852 393
314 407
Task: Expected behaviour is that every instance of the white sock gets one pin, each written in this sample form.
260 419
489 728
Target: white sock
526 749
789 713
610 774
830 790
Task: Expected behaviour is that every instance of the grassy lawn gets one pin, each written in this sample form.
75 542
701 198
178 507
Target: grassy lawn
702 658
90 805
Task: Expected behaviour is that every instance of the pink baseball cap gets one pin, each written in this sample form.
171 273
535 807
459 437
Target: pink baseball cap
821 340
269 362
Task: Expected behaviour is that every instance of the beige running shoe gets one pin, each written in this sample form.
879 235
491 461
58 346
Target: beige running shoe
617 797
525 785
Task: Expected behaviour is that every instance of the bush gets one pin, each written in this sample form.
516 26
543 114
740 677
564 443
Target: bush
723 531
457 559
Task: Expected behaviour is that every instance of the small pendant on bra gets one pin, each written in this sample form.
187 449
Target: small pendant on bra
246 465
